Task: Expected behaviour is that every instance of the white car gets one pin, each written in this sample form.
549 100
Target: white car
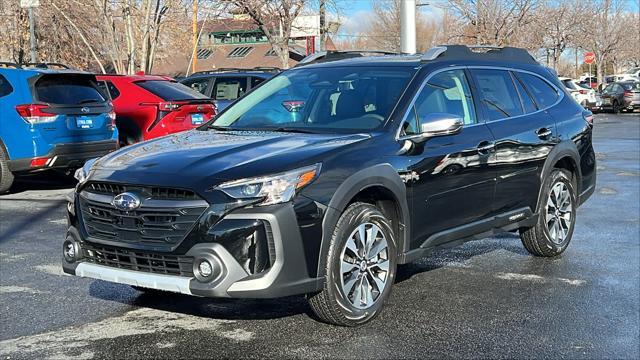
632 74
583 95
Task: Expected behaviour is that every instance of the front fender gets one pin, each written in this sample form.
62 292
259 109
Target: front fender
383 175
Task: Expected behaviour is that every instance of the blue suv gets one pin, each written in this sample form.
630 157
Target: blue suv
51 119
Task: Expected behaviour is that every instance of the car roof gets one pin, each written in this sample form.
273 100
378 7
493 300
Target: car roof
35 70
133 78
208 74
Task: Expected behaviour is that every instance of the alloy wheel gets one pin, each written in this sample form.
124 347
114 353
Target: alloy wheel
559 212
364 266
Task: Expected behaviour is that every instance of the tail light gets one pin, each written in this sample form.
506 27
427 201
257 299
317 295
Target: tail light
583 92
39 162
35 113
628 94
588 117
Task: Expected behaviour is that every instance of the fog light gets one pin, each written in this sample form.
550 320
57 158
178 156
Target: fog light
69 251
205 269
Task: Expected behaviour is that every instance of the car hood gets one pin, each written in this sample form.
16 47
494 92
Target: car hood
192 156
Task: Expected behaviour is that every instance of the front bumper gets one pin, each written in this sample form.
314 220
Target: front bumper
64 156
287 274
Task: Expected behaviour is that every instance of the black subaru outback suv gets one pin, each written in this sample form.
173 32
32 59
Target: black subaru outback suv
323 179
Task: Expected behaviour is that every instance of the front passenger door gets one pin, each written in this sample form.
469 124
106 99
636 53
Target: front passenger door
453 184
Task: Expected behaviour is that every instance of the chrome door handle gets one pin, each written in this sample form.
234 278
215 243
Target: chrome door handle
543 133
485 146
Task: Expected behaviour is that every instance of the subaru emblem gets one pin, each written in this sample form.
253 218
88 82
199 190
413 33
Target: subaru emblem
126 201
85 109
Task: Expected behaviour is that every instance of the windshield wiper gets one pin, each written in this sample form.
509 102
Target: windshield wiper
219 128
291 130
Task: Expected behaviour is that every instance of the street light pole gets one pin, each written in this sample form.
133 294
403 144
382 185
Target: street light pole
408 26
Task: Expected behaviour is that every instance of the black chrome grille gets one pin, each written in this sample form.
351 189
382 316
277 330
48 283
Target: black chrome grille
145 225
138 261
158 193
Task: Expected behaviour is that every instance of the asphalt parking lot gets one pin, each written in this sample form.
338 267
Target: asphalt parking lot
487 299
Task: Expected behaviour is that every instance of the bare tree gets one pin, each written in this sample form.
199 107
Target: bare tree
275 18
558 25
606 26
495 22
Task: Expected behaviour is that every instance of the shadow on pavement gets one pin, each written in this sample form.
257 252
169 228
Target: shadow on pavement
48 180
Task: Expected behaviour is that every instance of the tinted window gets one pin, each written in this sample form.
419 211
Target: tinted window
343 100
67 89
109 89
5 87
498 94
446 92
631 86
199 84
543 93
169 90
227 88
255 81
527 101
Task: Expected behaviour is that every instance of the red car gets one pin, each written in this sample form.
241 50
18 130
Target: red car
150 106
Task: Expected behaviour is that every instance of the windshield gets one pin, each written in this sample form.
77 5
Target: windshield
631 86
633 71
344 99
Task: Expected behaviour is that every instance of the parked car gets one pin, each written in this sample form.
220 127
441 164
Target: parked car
632 74
329 202
150 106
51 119
225 85
615 97
583 96
591 82
631 95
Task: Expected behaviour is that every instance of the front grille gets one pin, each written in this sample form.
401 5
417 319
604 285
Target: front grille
145 225
158 193
138 261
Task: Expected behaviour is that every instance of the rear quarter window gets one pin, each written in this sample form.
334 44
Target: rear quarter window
5 87
170 90
544 94
67 89
109 89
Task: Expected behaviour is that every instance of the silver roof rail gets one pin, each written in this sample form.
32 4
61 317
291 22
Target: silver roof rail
323 54
433 53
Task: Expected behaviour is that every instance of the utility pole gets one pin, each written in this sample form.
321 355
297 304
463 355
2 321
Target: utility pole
408 26
323 22
32 35
194 38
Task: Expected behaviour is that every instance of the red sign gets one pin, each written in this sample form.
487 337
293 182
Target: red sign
589 58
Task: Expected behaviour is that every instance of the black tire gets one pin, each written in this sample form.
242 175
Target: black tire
539 239
331 305
6 177
128 132
615 108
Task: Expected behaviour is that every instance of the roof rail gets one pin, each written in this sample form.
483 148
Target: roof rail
479 52
332 55
8 64
257 68
46 65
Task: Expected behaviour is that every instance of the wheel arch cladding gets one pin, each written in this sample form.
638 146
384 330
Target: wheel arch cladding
564 155
379 184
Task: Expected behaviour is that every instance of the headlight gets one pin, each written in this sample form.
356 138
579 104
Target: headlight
274 189
82 174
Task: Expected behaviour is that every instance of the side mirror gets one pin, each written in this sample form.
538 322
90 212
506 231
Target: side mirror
440 124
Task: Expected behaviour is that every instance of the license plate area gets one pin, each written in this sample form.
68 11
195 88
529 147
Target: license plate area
84 122
197 119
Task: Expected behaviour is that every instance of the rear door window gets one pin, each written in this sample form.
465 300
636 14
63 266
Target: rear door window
199 84
229 88
67 89
170 90
108 88
544 94
498 94
527 102
255 81
5 87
